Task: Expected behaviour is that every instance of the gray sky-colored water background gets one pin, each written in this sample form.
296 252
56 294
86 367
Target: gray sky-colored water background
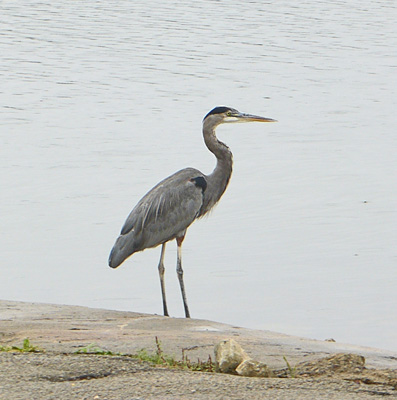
101 100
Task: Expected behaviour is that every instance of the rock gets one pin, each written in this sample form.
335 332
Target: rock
254 368
228 355
328 366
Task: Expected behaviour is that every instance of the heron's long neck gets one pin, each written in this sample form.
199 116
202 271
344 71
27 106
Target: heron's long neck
218 180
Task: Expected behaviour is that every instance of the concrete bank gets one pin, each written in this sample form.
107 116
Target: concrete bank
61 330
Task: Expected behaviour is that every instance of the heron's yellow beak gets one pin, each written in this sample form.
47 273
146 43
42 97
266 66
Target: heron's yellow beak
253 118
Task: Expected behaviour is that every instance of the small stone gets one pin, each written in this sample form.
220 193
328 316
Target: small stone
228 355
254 369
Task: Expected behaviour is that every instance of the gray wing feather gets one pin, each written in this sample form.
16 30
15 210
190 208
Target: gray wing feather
163 213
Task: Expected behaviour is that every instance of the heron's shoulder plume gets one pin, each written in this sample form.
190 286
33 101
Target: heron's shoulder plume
200 182
218 110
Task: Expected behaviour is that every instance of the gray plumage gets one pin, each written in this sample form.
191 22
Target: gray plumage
168 209
161 215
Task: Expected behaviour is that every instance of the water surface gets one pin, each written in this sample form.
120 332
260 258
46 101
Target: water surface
102 100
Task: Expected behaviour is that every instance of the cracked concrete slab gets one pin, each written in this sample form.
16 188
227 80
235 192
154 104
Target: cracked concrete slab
59 373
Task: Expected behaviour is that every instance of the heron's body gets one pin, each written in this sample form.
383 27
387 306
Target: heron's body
168 209
161 215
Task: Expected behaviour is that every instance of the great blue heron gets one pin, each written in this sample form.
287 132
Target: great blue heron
168 209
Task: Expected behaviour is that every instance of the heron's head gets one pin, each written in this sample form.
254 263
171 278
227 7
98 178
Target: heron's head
222 115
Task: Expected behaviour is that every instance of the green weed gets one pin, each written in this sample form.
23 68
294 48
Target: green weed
158 357
27 347
291 370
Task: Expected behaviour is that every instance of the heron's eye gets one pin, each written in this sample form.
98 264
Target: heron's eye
229 113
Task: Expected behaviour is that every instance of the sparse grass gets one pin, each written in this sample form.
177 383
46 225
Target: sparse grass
27 347
291 370
204 366
157 357
95 349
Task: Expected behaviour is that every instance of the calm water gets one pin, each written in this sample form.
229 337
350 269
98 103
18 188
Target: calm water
101 100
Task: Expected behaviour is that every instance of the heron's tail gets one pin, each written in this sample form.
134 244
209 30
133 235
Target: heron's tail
122 249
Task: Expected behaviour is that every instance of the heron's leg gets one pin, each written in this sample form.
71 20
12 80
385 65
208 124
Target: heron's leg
179 271
161 273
